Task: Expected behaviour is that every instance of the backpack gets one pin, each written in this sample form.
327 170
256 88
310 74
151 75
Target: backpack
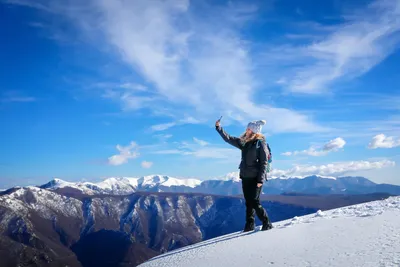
269 160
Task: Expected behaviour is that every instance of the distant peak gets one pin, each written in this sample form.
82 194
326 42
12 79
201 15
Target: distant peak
56 181
232 176
302 177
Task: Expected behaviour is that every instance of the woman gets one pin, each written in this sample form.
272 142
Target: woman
252 170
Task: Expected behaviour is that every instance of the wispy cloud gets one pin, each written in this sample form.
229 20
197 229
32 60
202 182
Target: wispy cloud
213 153
125 153
130 96
371 101
163 137
168 151
200 142
190 120
14 96
20 99
201 66
331 146
36 5
344 51
165 126
162 126
146 164
359 131
383 141
200 149
333 169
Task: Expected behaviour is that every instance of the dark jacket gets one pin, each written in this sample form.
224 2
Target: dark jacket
254 160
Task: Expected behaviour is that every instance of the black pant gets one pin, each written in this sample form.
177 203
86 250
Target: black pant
252 196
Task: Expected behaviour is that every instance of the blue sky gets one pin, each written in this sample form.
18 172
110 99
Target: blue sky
106 88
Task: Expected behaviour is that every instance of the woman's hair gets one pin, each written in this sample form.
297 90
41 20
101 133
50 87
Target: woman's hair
251 137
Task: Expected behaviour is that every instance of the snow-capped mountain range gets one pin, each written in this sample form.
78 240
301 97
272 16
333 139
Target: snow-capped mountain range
228 185
40 226
124 185
366 234
66 223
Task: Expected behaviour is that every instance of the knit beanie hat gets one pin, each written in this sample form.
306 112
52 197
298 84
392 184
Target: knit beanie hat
256 126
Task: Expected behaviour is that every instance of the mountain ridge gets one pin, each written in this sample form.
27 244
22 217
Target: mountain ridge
229 185
40 226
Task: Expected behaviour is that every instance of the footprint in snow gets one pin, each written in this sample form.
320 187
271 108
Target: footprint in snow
319 213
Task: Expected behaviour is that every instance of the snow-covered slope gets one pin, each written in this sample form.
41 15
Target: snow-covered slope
365 235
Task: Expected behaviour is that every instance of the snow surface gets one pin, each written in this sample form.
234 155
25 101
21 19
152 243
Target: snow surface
365 235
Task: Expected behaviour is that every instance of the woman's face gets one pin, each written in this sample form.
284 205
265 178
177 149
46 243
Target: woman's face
248 132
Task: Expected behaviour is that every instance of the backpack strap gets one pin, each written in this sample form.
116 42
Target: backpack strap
269 159
258 144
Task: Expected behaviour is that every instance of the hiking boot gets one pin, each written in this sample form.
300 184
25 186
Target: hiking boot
266 226
249 227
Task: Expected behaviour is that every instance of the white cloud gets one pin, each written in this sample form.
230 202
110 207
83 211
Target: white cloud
200 142
342 51
382 141
147 164
200 65
125 153
165 126
333 145
162 126
333 169
190 120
